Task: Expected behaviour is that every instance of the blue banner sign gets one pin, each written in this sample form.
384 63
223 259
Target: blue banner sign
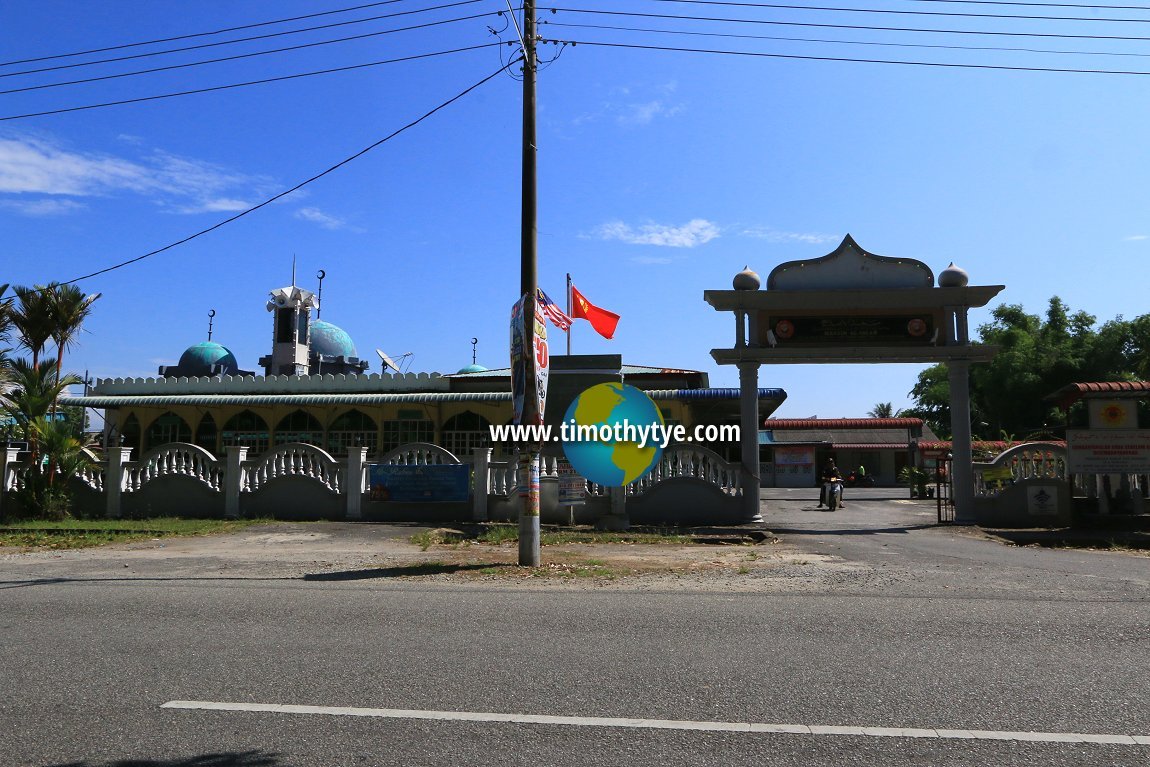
441 483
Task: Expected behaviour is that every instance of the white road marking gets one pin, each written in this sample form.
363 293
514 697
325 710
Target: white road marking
667 724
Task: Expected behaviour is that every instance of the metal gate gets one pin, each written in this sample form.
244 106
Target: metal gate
942 490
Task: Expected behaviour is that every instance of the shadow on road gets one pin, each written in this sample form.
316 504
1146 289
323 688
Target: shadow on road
902 529
241 759
423 568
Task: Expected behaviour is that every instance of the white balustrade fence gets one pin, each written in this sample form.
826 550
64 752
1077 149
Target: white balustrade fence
1033 460
295 459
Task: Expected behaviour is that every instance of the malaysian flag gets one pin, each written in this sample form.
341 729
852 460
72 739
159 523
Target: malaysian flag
553 312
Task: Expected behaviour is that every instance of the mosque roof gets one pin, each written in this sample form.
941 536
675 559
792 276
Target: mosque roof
198 359
331 340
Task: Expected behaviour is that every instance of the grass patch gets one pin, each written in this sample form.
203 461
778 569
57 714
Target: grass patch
498 535
86 533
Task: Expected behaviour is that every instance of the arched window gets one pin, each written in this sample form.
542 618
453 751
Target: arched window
299 426
352 429
248 429
411 426
465 432
130 432
168 428
206 433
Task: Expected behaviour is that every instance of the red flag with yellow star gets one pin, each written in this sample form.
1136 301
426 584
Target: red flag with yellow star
602 320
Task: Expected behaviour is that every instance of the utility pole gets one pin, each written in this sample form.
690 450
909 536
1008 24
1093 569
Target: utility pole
529 248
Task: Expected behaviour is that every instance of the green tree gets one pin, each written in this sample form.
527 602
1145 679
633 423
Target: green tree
68 308
1037 356
882 410
32 318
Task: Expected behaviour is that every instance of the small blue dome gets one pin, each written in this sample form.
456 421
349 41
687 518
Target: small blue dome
331 341
473 368
198 360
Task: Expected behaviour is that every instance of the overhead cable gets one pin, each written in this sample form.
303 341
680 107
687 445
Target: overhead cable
298 186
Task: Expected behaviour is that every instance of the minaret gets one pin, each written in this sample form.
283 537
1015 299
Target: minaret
291 330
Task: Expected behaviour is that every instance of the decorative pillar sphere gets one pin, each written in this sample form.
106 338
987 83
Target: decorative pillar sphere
746 280
953 277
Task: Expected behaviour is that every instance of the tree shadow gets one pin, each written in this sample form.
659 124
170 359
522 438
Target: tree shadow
406 571
231 759
783 529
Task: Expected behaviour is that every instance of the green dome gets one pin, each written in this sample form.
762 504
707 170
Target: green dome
331 341
198 360
473 368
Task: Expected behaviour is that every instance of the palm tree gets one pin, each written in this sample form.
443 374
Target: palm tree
33 318
68 307
34 390
882 410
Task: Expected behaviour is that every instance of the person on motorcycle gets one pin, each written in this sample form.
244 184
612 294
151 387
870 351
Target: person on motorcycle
830 472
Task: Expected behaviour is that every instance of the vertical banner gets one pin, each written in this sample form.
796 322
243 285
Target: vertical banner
519 359
542 357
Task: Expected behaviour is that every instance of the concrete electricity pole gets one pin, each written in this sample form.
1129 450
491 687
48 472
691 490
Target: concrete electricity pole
529 248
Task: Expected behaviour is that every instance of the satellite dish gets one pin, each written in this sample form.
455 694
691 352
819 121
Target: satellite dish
387 362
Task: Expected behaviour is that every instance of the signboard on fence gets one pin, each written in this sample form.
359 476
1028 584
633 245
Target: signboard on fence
572 485
1108 452
440 483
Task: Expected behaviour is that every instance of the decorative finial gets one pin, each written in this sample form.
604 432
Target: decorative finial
746 280
953 277
211 318
474 343
319 293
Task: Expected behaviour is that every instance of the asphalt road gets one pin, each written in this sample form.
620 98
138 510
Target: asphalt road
880 621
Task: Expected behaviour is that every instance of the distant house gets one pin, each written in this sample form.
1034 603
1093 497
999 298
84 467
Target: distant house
793 450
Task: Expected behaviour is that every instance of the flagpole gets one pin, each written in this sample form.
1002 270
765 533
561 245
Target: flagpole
572 324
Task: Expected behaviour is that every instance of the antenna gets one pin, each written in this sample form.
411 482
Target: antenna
319 293
211 319
387 362
474 343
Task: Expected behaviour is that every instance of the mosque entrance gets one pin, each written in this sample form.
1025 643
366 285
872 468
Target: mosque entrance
852 306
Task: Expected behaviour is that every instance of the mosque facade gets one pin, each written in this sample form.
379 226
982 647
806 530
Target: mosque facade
314 388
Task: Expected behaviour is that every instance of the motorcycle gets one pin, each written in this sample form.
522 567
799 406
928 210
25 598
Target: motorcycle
834 493
854 480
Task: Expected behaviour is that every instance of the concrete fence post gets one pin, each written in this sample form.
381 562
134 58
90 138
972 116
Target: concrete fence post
353 483
482 484
234 479
114 480
7 478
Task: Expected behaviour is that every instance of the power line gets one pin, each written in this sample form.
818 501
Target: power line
864 27
1038 5
851 60
413 57
731 3
237 40
843 42
123 46
298 186
244 55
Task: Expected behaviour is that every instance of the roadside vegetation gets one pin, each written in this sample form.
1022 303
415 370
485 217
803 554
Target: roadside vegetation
39 320
1037 356
496 535
85 533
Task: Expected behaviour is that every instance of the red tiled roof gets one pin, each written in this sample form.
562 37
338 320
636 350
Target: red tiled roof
869 445
842 423
997 444
1071 393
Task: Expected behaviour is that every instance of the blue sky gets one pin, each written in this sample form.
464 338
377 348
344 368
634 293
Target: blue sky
661 174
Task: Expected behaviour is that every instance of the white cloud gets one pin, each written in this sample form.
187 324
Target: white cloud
633 115
1136 238
33 165
774 235
43 207
692 234
317 216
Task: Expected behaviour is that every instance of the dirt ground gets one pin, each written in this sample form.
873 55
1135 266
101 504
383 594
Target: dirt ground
346 552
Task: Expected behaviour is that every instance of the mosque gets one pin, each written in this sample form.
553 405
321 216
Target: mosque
313 387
